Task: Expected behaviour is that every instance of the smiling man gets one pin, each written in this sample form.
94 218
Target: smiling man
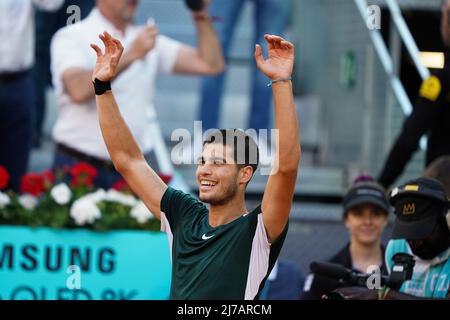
224 251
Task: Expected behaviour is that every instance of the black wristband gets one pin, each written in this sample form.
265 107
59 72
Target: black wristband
101 87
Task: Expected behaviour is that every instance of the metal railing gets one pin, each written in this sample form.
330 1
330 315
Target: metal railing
385 57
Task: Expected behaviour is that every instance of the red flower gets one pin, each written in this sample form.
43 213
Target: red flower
49 179
49 176
83 174
166 178
81 181
4 178
121 185
83 168
32 183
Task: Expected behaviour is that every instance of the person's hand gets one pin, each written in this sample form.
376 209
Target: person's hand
144 42
280 62
105 68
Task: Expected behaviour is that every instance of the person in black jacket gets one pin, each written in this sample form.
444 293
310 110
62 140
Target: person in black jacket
431 115
366 210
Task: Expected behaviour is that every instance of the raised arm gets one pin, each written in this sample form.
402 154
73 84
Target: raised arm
123 149
279 192
207 58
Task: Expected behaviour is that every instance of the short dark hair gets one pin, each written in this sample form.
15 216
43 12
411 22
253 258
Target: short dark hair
245 149
439 169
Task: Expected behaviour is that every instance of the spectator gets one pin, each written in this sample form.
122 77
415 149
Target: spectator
271 17
47 23
366 210
76 132
422 229
16 87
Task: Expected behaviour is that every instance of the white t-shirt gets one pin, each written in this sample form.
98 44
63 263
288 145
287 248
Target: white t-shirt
77 124
17 32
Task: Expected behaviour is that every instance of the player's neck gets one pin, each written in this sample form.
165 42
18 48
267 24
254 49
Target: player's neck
226 213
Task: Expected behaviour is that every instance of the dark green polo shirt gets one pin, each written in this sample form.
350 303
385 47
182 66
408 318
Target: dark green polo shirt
231 261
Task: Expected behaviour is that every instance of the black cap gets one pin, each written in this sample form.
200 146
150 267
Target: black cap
366 192
418 205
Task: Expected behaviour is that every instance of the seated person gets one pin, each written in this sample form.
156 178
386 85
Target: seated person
366 210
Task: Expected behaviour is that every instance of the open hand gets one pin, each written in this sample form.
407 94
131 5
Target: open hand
280 62
106 66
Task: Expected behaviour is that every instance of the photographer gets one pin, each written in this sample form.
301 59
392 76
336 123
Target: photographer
421 229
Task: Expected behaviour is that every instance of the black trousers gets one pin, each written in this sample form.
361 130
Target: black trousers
17 98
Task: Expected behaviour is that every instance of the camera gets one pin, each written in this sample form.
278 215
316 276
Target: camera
402 270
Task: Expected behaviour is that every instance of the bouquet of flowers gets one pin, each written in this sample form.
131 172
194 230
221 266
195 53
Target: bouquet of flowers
68 199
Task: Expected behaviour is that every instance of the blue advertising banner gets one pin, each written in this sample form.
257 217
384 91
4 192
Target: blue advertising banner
49 264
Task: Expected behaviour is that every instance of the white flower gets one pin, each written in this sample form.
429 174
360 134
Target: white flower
141 213
61 193
28 201
116 196
4 200
84 210
96 196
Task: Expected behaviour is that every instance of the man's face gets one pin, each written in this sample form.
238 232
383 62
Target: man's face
437 242
217 174
366 223
122 9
